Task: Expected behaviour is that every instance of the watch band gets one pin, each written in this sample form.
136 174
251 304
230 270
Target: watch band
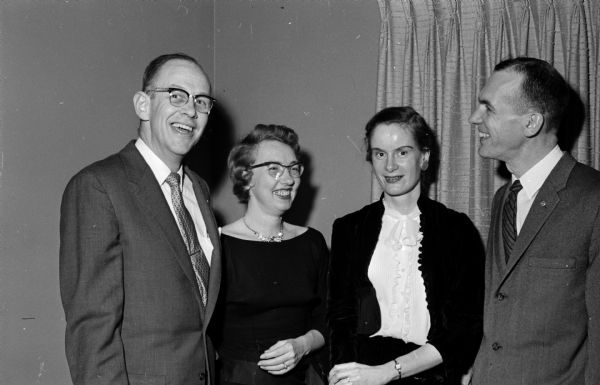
398 367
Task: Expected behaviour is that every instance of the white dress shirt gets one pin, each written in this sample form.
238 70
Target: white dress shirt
532 181
161 172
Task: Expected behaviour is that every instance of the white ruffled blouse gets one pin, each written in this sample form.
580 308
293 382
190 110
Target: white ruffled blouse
398 282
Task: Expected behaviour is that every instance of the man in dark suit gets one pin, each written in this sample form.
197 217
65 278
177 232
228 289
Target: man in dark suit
542 304
139 248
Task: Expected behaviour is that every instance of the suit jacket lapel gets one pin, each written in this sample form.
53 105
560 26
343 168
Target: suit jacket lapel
545 202
152 200
368 233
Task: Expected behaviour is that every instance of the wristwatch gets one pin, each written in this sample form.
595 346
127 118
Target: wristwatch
398 367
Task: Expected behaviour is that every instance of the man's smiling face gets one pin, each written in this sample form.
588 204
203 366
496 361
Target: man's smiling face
171 132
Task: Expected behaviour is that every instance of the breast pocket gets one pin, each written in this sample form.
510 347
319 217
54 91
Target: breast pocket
552 263
551 284
142 379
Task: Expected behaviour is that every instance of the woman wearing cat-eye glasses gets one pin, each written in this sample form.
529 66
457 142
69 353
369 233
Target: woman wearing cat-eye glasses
271 310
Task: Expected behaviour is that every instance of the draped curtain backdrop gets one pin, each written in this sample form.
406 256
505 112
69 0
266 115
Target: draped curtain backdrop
435 55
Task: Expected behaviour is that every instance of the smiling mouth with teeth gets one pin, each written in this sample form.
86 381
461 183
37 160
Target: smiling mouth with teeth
392 179
283 193
183 128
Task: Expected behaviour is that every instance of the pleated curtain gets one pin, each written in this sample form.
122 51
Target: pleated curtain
435 55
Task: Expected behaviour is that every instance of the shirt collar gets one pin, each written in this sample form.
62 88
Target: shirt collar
160 170
533 179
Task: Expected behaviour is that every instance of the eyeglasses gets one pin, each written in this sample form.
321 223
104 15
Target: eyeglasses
179 98
276 169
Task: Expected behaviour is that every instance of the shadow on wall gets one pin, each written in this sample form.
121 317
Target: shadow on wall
305 197
572 123
569 130
209 157
431 174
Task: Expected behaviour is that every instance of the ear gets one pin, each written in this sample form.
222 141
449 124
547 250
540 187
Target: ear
534 122
425 160
141 104
249 186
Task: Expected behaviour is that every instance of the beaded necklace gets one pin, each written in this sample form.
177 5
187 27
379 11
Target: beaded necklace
266 238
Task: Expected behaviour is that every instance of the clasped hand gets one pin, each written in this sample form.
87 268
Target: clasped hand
283 356
358 374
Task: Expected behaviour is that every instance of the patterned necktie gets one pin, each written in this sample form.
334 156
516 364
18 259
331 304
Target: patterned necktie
188 232
509 219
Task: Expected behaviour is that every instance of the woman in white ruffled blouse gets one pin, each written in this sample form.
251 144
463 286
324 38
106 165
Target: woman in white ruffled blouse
406 277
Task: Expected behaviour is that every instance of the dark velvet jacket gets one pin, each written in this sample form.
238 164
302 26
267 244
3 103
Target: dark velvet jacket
451 263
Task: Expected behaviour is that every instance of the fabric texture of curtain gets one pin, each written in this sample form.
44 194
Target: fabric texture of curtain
435 56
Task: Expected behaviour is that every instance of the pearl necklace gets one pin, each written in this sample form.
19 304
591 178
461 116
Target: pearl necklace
266 238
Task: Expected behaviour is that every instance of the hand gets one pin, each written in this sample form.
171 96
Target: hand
359 374
283 356
466 379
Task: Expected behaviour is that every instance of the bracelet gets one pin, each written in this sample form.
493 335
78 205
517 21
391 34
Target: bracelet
398 367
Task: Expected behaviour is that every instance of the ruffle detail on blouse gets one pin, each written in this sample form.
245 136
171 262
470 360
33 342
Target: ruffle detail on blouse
404 239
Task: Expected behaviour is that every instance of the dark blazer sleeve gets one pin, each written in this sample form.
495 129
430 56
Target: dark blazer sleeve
321 261
91 283
457 324
320 258
342 297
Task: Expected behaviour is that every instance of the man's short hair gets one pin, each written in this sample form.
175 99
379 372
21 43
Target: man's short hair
543 87
155 65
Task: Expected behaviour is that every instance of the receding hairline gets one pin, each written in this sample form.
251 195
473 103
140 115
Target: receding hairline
190 60
516 99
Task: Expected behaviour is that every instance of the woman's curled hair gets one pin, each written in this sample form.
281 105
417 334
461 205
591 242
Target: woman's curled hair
243 155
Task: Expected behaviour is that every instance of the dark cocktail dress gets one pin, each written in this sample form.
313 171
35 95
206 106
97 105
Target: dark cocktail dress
270 291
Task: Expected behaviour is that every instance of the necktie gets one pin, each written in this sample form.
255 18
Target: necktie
188 232
509 219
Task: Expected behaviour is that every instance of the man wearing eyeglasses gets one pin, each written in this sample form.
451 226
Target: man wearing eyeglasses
139 250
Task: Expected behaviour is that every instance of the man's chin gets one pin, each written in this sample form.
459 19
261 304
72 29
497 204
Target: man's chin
485 153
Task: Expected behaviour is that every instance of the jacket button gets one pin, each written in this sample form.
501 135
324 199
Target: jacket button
202 377
500 296
496 346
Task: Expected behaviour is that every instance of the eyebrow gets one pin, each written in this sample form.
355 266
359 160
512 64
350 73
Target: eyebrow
485 102
395 149
184 89
279 163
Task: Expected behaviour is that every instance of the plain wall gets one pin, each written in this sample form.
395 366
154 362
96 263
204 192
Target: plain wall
68 71
310 65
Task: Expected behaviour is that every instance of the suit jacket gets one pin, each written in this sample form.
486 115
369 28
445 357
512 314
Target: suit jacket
542 309
132 304
451 263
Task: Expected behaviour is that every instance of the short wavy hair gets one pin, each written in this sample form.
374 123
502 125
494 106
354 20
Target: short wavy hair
243 155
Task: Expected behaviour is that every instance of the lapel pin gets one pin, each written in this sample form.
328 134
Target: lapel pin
543 203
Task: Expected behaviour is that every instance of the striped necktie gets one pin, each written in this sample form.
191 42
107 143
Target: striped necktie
509 219
188 232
